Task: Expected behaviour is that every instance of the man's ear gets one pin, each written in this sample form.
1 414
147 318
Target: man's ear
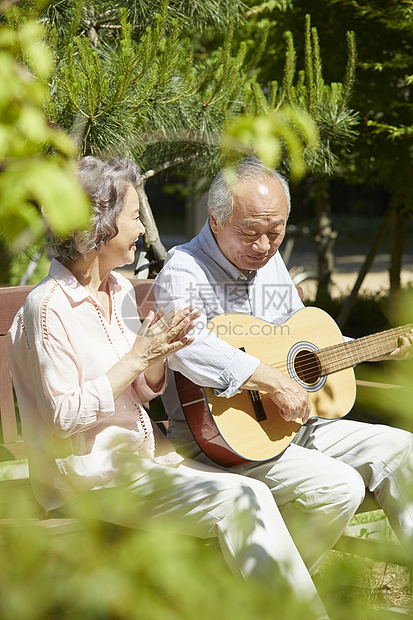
213 223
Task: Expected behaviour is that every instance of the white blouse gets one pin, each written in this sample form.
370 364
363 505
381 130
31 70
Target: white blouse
61 345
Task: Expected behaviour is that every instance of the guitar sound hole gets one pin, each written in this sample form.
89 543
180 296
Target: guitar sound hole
307 367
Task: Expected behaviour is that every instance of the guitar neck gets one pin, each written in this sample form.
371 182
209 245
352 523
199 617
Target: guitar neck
348 354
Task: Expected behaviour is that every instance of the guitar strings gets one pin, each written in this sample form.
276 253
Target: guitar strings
362 344
330 355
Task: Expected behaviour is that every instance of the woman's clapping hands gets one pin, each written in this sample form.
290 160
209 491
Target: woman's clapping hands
163 334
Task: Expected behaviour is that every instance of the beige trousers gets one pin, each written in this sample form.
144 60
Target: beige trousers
320 479
239 511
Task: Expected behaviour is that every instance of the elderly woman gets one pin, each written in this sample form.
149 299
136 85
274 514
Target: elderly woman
83 365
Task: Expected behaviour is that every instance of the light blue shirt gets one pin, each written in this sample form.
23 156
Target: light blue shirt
197 273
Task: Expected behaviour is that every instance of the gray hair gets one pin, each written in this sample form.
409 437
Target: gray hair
220 196
106 185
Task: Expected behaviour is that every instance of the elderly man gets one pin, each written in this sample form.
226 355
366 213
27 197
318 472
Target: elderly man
233 265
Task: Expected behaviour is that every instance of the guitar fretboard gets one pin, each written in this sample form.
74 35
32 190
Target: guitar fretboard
347 354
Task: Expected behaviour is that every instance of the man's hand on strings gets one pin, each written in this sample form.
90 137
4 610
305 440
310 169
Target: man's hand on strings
405 349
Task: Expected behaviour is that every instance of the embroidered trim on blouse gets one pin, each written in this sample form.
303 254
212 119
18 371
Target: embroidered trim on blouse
143 417
44 311
115 313
23 328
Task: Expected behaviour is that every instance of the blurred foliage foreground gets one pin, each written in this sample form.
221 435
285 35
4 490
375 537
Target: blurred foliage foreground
100 571
104 572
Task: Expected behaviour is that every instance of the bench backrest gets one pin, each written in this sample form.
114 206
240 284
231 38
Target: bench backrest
11 299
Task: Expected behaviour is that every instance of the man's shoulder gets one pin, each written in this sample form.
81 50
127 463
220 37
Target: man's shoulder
276 265
183 270
185 257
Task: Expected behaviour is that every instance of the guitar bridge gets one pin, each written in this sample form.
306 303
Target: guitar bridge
258 407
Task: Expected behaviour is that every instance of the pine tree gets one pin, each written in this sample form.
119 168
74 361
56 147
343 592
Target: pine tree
381 155
326 103
328 106
130 80
37 181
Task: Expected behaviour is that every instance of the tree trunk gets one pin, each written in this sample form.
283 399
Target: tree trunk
325 238
151 241
397 245
396 257
351 299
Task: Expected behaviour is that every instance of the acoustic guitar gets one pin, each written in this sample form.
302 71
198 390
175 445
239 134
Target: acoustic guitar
309 347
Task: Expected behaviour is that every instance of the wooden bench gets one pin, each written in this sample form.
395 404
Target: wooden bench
13 455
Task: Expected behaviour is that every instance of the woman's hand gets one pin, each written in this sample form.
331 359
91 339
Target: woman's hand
162 335
159 336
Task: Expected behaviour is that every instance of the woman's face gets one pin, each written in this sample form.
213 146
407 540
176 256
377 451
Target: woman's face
122 248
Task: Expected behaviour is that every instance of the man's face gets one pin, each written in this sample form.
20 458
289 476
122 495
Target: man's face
254 232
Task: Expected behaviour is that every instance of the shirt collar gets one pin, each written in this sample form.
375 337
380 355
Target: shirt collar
211 248
71 285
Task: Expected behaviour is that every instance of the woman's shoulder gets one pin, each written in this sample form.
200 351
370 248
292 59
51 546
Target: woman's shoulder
41 291
45 295
33 312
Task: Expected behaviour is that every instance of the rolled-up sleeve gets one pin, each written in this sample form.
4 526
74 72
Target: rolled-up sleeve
144 391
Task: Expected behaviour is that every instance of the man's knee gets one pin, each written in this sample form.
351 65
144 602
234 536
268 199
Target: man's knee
400 441
392 449
350 487
338 491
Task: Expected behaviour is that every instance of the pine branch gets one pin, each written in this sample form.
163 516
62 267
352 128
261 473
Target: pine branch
69 78
168 164
309 78
273 96
73 26
260 102
350 76
171 56
150 41
223 65
82 48
289 68
259 51
125 64
153 78
318 75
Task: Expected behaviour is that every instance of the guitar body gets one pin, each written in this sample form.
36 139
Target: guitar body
233 431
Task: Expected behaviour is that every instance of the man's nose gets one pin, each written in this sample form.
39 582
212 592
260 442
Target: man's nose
262 244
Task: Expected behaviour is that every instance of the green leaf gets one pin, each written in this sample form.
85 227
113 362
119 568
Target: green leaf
66 206
37 191
282 132
31 38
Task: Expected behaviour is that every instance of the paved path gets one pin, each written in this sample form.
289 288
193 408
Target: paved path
348 262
